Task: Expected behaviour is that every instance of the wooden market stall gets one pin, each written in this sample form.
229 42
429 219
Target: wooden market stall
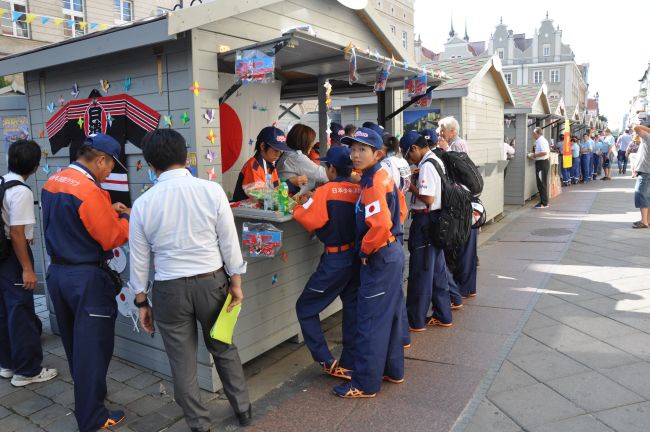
180 67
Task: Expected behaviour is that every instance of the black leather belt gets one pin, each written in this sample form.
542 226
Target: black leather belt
63 261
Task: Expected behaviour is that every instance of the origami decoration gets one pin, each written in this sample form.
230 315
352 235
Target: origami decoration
127 84
41 134
209 115
211 155
211 174
50 107
347 51
109 120
46 168
353 76
75 90
61 100
138 165
328 93
80 122
185 118
211 136
196 88
152 177
168 121
105 85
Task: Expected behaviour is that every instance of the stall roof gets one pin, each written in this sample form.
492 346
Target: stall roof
302 58
460 74
139 33
526 98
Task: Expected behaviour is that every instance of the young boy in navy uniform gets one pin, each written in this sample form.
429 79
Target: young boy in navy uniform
427 282
330 212
380 212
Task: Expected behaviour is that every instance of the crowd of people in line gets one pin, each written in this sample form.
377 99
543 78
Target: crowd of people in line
354 197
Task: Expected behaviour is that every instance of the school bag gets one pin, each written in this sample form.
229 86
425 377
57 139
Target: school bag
455 222
462 170
5 243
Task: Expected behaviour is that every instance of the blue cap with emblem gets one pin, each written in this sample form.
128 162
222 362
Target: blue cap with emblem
105 144
365 136
274 137
338 156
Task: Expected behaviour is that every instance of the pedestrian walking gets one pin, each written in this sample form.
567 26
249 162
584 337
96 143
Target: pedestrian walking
542 166
21 354
185 224
81 229
622 145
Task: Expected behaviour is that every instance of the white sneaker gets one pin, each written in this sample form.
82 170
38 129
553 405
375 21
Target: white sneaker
6 373
45 375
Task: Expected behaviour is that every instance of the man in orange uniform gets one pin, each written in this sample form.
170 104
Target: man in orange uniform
81 229
330 212
380 213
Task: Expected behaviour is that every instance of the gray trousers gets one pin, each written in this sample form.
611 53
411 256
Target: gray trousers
178 304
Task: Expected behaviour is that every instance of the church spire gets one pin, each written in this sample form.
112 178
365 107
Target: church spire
466 37
452 32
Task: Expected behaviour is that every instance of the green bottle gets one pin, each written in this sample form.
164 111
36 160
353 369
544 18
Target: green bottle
283 197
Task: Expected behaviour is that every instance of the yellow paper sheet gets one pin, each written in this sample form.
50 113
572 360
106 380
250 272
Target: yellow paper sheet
224 327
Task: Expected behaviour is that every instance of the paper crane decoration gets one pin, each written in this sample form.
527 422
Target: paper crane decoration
185 118
105 85
109 120
46 168
347 51
211 136
75 91
328 93
211 174
80 122
251 142
138 165
168 120
50 107
127 84
209 115
211 155
196 88
61 100
41 134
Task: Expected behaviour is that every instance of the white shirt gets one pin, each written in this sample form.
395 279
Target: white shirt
541 145
295 163
507 150
18 207
399 170
429 182
187 224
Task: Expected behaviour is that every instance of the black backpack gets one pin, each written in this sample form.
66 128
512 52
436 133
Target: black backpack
455 222
462 170
5 243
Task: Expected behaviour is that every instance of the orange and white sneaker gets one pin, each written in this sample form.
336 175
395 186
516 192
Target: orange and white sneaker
456 307
336 371
416 330
346 391
393 380
434 322
114 419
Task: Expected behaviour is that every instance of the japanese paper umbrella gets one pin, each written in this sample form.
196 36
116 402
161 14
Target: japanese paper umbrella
231 136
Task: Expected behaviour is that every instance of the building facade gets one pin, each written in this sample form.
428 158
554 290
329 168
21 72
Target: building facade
29 24
397 22
639 106
542 58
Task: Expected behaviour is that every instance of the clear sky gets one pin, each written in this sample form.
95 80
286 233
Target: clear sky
613 37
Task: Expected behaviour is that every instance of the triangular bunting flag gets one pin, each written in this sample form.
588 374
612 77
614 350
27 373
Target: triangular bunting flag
3 12
58 21
103 26
82 25
70 23
15 16
44 19
93 25
30 18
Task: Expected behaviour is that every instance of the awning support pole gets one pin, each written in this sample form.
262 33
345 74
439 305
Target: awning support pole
322 116
409 103
381 108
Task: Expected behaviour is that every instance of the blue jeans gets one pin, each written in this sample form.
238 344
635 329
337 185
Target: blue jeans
575 169
622 161
586 166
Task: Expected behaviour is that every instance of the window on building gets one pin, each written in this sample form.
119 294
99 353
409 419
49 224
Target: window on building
546 50
392 29
19 28
392 10
508 77
538 77
124 9
405 41
73 10
500 53
378 4
555 76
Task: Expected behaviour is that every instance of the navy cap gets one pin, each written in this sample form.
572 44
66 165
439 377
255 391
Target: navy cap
337 131
430 135
106 144
365 136
338 156
274 137
409 139
379 129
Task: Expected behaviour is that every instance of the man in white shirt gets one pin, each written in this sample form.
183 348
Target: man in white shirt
622 144
542 166
21 353
427 284
187 225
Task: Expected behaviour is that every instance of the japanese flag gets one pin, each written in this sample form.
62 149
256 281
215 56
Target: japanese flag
372 209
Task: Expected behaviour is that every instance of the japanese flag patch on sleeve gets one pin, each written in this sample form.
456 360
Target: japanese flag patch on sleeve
372 209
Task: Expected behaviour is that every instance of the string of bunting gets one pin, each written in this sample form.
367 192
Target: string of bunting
28 18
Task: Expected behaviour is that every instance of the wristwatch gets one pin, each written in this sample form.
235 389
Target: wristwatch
142 304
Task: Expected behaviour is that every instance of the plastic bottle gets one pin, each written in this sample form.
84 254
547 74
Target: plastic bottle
283 197
268 195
